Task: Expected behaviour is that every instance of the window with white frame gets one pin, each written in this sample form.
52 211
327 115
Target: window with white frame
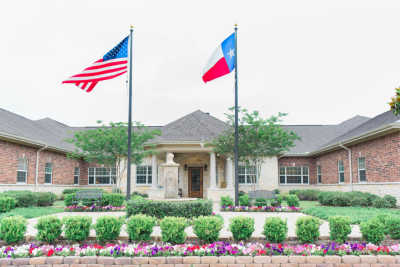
341 171
22 170
362 176
247 174
319 174
48 173
293 175
77 173
102 176
143 174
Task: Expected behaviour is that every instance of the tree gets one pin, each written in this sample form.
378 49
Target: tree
108 145
395 102
258 138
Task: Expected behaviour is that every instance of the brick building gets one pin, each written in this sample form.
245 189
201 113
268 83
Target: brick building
358 154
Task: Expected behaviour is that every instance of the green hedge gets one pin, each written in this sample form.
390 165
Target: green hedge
343 199
74 190
113 199
25 198
161 209
305 194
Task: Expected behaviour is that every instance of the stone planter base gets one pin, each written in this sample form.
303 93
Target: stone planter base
208 261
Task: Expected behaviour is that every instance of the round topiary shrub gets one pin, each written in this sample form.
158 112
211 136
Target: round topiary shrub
292 201
108 228
207 228
339 228
241 227
77 228
390 201
373 231
140 227
12 229
393 227
49 228
226 201
260 202
277 202
244 200
275 229
307 229
7 203
173 230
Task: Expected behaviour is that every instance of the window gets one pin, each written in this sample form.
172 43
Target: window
362 176
319 174
143 174
293 175
247 175
48 173
102 176
77 172
22 170
341 171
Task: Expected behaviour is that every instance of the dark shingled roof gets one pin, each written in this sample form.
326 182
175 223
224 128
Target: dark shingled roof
197 126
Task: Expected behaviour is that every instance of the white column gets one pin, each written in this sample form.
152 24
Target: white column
228 173
213 171
154 181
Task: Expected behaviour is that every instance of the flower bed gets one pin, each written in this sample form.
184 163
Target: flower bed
93 208
260 209
213 249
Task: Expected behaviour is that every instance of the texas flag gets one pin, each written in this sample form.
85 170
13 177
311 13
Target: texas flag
222 60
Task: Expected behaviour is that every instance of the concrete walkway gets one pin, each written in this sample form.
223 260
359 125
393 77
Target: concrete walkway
259 218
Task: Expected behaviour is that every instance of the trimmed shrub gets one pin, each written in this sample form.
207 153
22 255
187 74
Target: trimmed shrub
12 229
275 229
340 228
306 194
173 230
161 209
391 201
23 198
113 199
143 195
307 229
380 203
108 228
69 199
260 202
277 191
373 231
241 227
77 228
140 227
292 201
6 203
49 228
74 190
393 227
45 199
226 201
346 198
277 202
207 228
244 200
384 218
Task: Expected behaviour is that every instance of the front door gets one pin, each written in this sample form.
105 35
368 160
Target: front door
196 182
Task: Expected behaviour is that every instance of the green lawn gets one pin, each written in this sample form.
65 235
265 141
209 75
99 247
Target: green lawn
32 212
356 214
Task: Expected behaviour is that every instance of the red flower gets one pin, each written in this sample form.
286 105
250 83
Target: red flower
50 252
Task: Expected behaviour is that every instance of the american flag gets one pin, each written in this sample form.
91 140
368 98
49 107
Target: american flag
113 64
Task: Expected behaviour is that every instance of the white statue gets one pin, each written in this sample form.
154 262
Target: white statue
170 158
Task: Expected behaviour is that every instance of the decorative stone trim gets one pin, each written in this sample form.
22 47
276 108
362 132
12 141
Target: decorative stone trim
208 261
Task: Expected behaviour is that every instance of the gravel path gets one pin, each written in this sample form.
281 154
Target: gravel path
259 218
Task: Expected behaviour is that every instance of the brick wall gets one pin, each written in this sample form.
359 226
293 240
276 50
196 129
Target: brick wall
382 156
208 261
301 161
63 167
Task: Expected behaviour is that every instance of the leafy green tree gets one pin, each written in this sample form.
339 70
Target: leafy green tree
395 103
108 145
259 138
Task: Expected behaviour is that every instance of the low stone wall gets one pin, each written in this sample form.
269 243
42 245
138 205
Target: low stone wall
208 261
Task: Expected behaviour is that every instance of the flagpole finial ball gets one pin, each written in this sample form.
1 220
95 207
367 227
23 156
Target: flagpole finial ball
131 27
